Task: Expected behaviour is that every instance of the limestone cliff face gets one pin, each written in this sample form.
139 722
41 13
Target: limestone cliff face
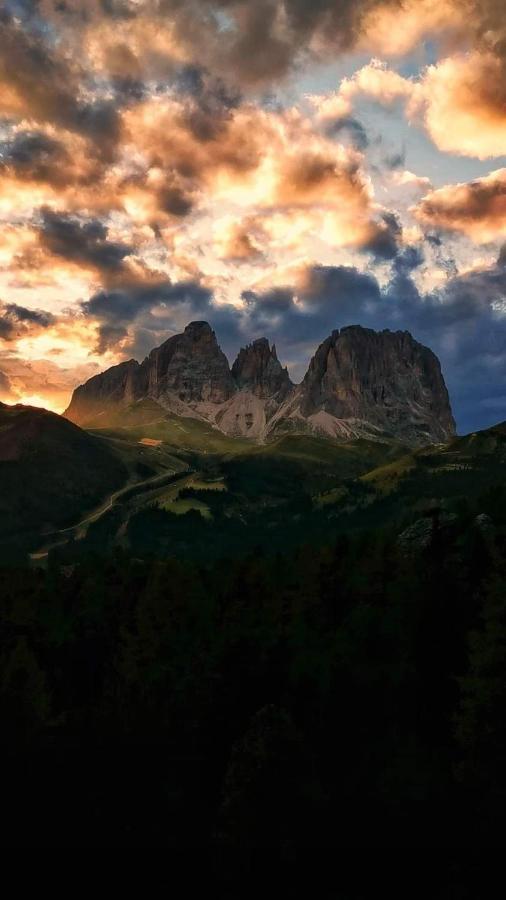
187 369
258 370
104 393
261 387
360 383
385 379
189 366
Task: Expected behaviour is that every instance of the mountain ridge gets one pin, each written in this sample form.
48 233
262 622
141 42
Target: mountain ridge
360 383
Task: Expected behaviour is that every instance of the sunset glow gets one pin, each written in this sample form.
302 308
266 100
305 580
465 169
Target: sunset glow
163 162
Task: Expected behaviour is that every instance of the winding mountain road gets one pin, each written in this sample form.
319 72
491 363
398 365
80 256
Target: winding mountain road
78 531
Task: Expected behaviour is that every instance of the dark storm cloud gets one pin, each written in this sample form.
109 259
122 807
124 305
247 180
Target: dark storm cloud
298 319
350 128
343 285
44 84
249 41
395 160
34 156
133 305
18 321
463 323
41 82
7 331
109 336
119 9
209 101
124 306
81 241
174 199
275 35
408 259
385 235
99 121
148 313
34 316
277 300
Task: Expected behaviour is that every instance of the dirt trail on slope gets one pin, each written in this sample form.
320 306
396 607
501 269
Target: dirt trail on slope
78 531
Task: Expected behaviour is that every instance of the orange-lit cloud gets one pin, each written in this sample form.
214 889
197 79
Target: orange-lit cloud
396 29
477 209
255 160
468 91
240 242
40 382
145 173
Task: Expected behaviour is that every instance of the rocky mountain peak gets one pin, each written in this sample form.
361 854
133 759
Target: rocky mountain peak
191 366
384 378
360 383
258 370
199 331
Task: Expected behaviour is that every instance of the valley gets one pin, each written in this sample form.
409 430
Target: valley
193 492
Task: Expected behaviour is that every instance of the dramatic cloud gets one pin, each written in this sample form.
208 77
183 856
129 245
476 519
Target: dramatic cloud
384 237
82 242
464 322
17 321
470 92
164 160
241 242
34 156
41 83
256 40
477 209
348 128
466 89
35 81
149 306
40 381
274 165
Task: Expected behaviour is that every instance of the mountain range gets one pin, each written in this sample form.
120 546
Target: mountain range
360 384
182 450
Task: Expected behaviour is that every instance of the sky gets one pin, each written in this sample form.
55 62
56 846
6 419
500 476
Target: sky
278 168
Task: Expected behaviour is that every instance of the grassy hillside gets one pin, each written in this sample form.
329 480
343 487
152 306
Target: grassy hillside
295 489
240 494
50 472
463 468
180 434
198 493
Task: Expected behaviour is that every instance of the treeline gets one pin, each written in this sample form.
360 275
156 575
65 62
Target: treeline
348 696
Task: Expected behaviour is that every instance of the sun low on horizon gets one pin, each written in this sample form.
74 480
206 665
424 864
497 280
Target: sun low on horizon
276 168
41 402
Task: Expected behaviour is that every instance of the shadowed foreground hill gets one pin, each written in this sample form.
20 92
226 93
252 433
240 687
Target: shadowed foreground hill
50 472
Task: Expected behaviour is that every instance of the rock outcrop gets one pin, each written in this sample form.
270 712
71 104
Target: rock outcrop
258 370
101 396
360 383
366 382
189 366
186 370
